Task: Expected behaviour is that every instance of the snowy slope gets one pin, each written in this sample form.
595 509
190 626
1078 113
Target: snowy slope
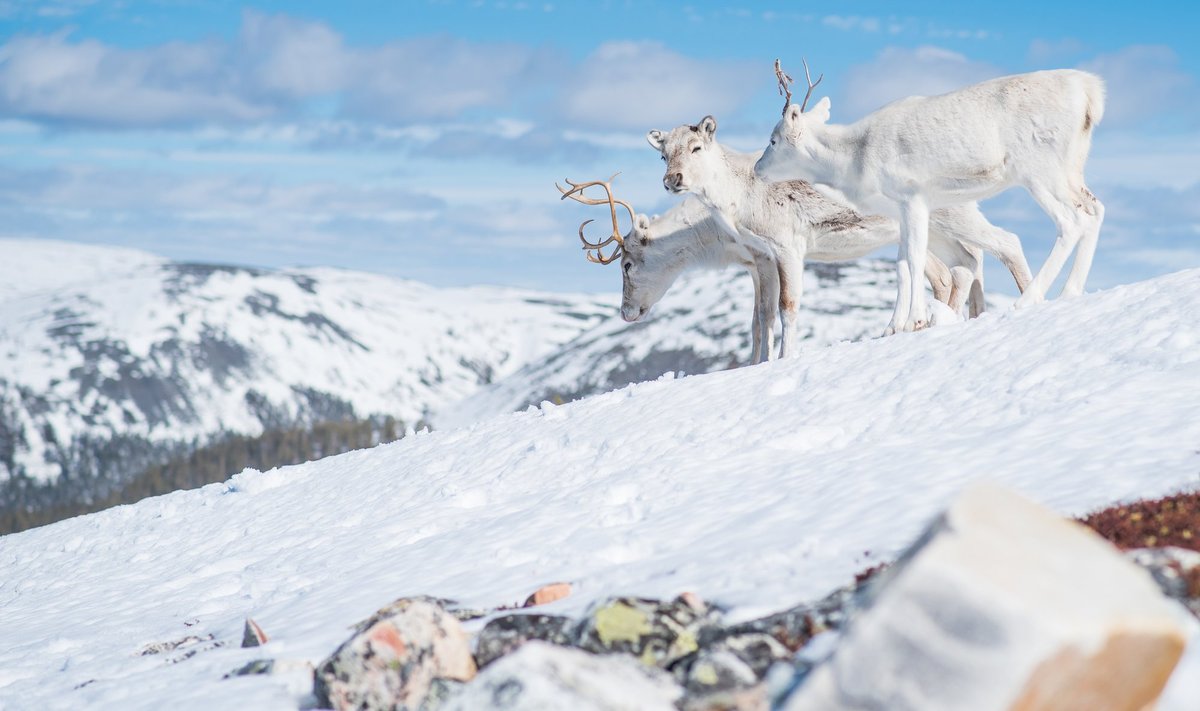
757 488
702 325
99 343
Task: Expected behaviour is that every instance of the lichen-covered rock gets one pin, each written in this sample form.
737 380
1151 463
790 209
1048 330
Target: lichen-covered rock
657 633
717 670
449 605
505 634
1176 570
391 663
545 677
1003 605
791 629
440 691
752 698
758 651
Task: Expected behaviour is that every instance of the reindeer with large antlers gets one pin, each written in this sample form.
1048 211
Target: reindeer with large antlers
698 241
690 236
919 154
797 222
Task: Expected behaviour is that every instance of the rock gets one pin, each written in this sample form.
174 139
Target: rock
400 604
754 698
440 691
548 594
657 633
756 650
1002 605
790 629
1175 570
293 674
505 634
545 677
717 670
258 666
253 635
392 662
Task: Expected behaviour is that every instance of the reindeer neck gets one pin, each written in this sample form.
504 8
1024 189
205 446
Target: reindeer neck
830 153
738 185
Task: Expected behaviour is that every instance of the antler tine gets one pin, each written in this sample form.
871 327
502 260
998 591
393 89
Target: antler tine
811 84
594 245
577 189
576 193
598 257
785 85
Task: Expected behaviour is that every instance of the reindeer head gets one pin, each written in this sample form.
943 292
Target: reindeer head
639 288
688 153
794 132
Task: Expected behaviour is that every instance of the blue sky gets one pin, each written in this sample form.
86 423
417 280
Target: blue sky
423 139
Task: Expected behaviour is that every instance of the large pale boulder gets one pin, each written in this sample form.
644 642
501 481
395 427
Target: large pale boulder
1003 605
546 677
391 663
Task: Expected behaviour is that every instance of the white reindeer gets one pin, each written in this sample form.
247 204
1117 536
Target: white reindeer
690 236
797 222
698 239
923 153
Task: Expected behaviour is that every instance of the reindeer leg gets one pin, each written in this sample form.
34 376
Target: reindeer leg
910 266
756 321
1058 200
791 286
768 275
1091 213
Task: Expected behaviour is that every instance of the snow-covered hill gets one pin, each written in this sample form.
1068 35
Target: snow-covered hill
115 348
755 488
701 325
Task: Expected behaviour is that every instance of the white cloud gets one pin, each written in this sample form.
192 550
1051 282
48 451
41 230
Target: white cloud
639 85
1144 81
49 78
850 23
274 67
898 72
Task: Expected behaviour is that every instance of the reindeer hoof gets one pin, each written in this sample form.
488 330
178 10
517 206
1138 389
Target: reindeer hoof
1029 298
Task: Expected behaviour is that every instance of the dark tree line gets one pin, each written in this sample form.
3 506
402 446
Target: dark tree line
33 505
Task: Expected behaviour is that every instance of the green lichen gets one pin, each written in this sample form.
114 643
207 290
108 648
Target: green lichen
618 622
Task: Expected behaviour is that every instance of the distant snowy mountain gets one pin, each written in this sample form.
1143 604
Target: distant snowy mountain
702 325
110 358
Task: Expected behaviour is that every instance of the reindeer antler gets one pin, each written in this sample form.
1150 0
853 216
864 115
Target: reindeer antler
811 84
785 85
576 193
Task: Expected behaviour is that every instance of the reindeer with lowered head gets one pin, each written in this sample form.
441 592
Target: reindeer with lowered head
690 236
797 222
917 155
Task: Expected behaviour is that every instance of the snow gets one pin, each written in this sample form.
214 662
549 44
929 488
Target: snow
757 488
701 325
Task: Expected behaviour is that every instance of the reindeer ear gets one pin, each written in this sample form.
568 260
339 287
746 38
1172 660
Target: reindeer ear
656 139
642 222
820 112
792 113
708 126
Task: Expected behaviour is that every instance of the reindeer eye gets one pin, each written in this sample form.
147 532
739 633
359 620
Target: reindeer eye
664 159
627 266
772 141
696 149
